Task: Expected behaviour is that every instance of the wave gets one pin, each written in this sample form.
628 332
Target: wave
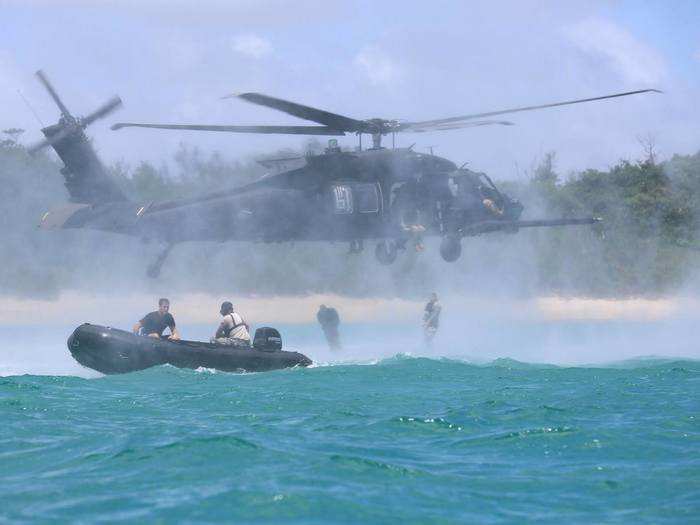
398 360
515 364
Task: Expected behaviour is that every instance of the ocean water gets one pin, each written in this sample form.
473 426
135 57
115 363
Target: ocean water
487 426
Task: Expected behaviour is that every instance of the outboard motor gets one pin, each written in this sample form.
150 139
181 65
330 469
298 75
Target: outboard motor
267 339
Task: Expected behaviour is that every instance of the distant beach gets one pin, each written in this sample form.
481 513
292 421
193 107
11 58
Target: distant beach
199 308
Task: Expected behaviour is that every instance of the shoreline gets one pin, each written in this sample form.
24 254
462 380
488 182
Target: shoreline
202 308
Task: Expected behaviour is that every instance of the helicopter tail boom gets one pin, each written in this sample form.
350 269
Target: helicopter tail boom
86 179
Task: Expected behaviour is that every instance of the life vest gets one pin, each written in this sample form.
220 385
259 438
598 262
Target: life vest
227 331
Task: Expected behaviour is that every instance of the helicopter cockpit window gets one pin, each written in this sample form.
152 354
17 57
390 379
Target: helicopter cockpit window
342 199
452 186
367 198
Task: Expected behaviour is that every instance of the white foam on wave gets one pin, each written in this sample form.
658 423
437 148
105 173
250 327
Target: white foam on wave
205 370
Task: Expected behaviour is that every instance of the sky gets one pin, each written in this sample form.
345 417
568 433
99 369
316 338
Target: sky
172 61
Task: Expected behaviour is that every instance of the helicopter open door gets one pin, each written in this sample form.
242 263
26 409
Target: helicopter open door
356 198
354 212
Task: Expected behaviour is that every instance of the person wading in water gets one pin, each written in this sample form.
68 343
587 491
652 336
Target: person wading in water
329 320
431 318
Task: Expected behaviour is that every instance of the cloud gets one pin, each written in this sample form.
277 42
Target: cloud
632 59
208 13
697 55
180 53
251 46
378 68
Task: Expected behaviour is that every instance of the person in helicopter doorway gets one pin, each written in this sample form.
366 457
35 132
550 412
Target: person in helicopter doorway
233 329
411 206
431 318
329 320
155 323
491 202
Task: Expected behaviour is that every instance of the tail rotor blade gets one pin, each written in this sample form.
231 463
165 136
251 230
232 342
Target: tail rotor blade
38 146
73 126
101 112
45 81
50 141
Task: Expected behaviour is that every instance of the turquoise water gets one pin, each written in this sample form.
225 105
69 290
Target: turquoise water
395 440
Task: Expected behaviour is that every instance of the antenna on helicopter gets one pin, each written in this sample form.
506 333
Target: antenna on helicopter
29 106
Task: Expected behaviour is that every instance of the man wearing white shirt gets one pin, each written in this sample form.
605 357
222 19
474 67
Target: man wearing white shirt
233 330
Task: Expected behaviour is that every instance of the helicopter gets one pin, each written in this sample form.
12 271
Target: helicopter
393 196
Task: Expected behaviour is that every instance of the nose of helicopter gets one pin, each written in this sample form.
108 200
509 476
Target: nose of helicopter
514 209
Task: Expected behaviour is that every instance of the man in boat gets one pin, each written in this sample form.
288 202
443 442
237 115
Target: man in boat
233 330
329 320
155 323
431 318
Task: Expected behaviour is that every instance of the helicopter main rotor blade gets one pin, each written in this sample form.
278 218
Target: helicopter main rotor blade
332 120
101 112
415 128
285 130
525 108
45 81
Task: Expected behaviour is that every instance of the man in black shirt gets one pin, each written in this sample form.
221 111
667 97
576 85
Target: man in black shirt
156 322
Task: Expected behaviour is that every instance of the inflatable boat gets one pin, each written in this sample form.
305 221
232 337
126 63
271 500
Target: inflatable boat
113 351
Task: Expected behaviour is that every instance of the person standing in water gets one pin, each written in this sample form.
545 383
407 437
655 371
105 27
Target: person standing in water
233 330
155 323
431 318
329 320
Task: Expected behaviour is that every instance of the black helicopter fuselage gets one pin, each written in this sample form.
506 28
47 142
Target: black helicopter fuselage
336 196
396 196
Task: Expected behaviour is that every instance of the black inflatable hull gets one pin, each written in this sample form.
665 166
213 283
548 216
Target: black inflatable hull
114 351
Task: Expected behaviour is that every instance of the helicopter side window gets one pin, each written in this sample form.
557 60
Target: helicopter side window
342 199
452 186
367 198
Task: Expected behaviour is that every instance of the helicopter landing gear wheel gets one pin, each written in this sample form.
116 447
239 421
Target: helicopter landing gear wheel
450 248
385 252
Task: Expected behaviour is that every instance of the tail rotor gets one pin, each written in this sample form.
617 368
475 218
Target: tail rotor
68 124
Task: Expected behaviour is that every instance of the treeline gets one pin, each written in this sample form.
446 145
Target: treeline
646 241
192 173
646 244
